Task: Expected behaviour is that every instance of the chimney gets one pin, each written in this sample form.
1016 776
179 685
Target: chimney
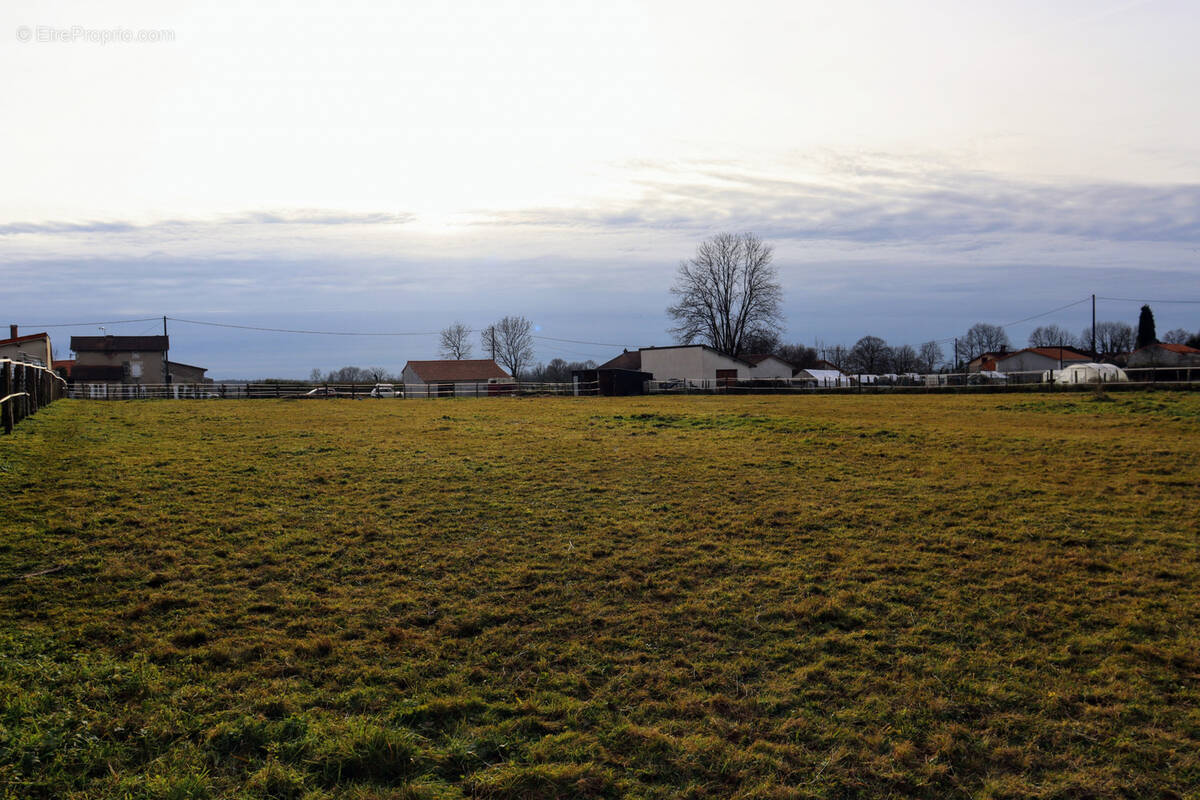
12 331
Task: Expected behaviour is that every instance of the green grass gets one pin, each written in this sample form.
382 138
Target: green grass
809 597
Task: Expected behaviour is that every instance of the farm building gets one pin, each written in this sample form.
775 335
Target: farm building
32 348
464 377
1088 372
767 366
186 373
1182 362
693 362
610 382
1036 360
820 378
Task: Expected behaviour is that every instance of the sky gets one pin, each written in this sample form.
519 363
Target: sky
361 167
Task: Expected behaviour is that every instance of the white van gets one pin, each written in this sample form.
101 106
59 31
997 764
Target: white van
384 390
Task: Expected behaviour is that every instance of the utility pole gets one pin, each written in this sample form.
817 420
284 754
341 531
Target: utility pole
1095 355
166 353
956 354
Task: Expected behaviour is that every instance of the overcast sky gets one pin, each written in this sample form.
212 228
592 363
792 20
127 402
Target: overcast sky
918 167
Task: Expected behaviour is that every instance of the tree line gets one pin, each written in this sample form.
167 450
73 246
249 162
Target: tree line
728 296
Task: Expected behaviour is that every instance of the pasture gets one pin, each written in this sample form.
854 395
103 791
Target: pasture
755 597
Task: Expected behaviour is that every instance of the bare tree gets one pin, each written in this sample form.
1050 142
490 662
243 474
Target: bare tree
905 359
870 355
1111 337
761 341
984 338
513 343
930 356
727 291
836 354
1176 336
1052 336
378 374
798 355
487 338
456 342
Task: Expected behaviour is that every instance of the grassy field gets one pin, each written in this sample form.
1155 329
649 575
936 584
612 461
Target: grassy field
809 597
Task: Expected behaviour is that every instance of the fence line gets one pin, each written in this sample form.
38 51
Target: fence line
24 388
1039 380
296 391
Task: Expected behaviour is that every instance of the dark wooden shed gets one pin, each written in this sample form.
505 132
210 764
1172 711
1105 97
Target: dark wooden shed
611 382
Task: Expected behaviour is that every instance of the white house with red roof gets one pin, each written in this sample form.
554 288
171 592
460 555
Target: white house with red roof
1036 359
32 348
468 377
1164 354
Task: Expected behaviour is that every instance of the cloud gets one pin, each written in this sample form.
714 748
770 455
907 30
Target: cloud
905 203
298 217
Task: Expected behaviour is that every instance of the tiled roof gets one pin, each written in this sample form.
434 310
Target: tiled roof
627 360
1067 353
29 337
1174 348
704 346
119 344
478 369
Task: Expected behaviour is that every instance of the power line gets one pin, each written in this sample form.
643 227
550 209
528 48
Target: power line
294 330
1048 313
363 333
1026 319
1131 300
87 324
580 341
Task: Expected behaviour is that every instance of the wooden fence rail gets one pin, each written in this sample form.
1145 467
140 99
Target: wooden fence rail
24 388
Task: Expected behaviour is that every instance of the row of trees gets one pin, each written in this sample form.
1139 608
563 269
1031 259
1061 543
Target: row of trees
1111 337
353 375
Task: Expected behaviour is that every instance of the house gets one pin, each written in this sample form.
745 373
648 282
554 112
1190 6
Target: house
769 367
464 377
1164 362
32 348
986 362
120 359
1034 361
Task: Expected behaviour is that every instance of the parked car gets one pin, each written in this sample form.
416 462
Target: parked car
321 391
383 390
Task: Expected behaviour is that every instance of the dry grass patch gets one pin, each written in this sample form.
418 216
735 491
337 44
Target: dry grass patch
809 597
